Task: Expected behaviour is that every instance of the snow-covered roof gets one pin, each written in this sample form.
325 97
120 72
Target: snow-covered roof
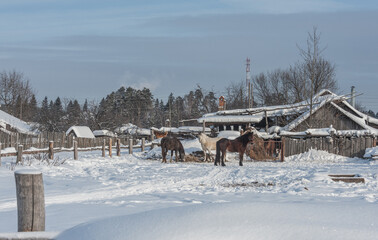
325 132
99 133
182 129
81 131
189 129
132 129
254 115
15 123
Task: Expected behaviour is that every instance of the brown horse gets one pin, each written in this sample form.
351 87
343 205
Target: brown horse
173 144
239 145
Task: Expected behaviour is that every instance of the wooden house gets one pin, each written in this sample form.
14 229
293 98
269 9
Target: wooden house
328 111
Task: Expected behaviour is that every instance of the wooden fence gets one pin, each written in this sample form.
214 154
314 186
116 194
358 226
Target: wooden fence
60 140
345 146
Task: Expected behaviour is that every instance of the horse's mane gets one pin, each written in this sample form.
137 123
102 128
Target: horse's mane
245 137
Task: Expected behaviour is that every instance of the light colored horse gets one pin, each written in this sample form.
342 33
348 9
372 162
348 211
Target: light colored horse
208 144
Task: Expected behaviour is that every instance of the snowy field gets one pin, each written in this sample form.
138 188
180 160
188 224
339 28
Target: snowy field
135 197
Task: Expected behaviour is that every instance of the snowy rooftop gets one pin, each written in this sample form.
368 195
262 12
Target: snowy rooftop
15 123
108 133
81 131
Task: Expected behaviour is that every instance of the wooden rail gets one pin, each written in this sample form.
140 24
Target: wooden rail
51 150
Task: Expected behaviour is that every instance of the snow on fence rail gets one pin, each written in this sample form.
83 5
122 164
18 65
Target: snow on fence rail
341 145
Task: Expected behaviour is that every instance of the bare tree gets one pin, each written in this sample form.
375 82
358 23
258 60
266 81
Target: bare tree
15 90
317 72
272 88
236 96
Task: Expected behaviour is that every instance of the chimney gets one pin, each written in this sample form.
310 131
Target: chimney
222 104
353 97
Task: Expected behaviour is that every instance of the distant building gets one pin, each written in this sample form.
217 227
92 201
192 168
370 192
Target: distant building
80 132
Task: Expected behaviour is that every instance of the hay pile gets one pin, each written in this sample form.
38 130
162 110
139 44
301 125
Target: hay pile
191 158
257 151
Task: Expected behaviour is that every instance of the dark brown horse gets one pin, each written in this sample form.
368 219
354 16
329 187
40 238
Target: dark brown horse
239 145
173 144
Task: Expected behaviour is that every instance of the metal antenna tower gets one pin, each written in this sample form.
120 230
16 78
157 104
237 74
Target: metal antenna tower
249 83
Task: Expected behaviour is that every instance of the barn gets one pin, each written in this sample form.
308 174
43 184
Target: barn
328 110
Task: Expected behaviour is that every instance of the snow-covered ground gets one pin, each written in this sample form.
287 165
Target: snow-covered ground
141 198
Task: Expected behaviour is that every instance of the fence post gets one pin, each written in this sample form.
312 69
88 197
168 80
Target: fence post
282 149
30 200
152 137
0 154
51 150
130 146
118 147
143 144
63 140
19 154
75 150
110 147
103 147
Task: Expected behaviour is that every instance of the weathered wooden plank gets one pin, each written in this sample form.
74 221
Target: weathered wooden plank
75 151
51 150
19 154
349 180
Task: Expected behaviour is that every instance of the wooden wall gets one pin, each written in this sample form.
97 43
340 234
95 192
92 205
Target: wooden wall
325 117
345 146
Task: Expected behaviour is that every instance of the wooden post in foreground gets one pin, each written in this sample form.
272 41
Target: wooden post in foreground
282 149
118 147
0 154
51 150
19 154
30 201
75 150
130 146
143 144
110 147
103 148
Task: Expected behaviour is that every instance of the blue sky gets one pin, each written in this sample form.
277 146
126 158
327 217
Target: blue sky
86 49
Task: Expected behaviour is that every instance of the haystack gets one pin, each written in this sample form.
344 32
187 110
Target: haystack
257 150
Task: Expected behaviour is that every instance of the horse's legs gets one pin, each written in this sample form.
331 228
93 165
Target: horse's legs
164 153
171 155
241 155
223 157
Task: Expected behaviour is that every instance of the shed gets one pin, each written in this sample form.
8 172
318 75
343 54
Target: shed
80 132
328 109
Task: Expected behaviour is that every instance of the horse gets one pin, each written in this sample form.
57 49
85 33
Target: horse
207 144
173 144
239 145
